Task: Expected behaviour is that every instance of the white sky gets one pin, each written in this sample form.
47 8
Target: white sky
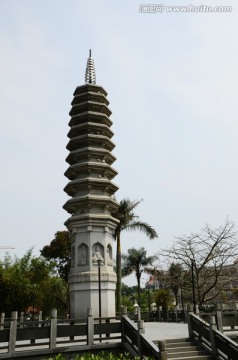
172 83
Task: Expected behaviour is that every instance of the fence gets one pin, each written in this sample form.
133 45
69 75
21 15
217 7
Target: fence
226 320
214 341
134 341
55 335
161 315
33 339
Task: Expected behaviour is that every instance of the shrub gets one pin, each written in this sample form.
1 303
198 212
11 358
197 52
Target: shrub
101 356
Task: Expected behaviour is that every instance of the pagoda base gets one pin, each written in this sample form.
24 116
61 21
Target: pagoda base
84 294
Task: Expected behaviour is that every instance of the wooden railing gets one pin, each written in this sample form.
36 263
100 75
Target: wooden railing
159 315
199 330
55 335
225 320
212 339
28 339
134 341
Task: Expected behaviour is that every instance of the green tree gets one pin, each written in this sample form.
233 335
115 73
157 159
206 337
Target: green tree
128 220
127 290
58 252
164 298
135 261
175 278
55 295
25 282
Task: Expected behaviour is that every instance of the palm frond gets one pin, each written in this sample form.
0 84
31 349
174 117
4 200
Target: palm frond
143 227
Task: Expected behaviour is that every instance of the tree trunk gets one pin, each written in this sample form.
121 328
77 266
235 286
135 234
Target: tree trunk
138 287
118 270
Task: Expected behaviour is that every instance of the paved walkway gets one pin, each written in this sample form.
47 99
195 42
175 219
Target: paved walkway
163 330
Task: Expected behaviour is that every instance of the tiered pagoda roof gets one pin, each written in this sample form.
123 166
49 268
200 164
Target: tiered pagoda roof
90 159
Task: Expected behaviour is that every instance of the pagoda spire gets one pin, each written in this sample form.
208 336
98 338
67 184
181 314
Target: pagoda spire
90 76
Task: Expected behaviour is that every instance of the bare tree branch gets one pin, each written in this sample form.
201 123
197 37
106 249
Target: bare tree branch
212 252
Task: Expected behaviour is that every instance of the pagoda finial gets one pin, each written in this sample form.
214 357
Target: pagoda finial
90 77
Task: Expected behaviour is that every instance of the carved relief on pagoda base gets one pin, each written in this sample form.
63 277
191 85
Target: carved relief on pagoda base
98 250
82 255
92 276
109 255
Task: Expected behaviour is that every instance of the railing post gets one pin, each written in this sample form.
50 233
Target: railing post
148 314
135 312
186 310
168 314
189 320
212 327
21 319
40 318
122 328
160 309
2 321
71 323
33 340
219 320
124 310
53 328
176 313
90 325
140 326
163 351
197 310
12 333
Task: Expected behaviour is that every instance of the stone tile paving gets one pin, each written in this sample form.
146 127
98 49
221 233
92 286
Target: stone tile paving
163 331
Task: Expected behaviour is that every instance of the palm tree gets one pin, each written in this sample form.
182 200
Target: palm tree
135 262
128 220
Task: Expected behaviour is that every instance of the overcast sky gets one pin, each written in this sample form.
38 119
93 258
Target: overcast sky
172 83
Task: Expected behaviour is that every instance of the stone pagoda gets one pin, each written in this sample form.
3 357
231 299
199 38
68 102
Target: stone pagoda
91 225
